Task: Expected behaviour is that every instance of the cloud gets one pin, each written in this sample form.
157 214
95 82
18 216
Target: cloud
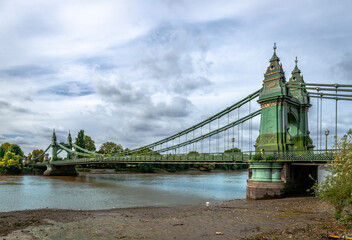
142 101
136 71
345 66
178 61
68 89
6 106
26 71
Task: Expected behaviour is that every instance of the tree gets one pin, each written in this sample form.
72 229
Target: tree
35 153
146 167
336 189
193 153
232 150
2 152
11 163
110 148
12 148
80 140
6 146
89 143
16 150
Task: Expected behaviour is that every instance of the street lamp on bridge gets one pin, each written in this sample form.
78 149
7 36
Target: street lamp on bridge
326 139
233 144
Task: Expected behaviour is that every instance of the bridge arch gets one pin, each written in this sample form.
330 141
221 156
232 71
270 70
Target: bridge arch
292 124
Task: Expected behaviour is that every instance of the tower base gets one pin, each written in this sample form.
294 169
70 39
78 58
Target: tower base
55 170
265 190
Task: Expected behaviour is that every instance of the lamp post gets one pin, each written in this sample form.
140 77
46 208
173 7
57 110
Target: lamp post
326 139
233 144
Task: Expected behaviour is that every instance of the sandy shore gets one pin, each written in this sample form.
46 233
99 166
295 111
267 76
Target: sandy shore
291 218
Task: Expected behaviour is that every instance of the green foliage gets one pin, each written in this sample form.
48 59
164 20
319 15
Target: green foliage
6 146
232 150
80 141
28 171
173 167
206 167
35 153
337 187
110 148
230 166
14 148
145 167
2 152
269 158
11 163
257 157
89 143
193 152
146 151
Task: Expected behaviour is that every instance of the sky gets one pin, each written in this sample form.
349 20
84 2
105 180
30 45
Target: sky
133 72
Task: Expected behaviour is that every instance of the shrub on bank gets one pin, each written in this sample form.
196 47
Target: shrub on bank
11 163
337 187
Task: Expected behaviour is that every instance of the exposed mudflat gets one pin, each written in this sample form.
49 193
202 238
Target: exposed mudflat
290 218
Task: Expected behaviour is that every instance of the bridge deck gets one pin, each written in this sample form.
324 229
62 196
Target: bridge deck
208 158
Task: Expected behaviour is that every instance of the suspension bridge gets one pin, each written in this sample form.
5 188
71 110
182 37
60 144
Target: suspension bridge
283 157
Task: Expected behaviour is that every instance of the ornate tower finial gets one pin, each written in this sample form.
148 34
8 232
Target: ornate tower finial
53 138
69 138
274 57
296 61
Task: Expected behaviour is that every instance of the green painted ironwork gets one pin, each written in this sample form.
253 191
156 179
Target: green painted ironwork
37 157
235 157
72 151
322 89
217 131
328 94
283 134
199 125
85 150
284 118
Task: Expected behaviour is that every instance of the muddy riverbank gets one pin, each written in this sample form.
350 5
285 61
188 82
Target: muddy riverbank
291 218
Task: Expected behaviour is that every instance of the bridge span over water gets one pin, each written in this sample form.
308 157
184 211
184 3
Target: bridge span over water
282 159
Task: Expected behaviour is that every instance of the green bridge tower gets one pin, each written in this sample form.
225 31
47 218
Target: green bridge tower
283 127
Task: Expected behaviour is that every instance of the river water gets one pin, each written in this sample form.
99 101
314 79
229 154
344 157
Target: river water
106 191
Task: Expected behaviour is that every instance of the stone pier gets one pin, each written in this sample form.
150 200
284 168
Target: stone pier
275 180
265 181
57 170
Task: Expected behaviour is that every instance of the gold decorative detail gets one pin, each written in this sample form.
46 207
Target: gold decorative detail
270 84
265 105
292 89
278 77
271 104
267 74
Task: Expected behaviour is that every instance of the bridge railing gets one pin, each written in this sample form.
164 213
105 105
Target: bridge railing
286 156
297 156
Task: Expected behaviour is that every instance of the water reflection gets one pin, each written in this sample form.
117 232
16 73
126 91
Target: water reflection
119 190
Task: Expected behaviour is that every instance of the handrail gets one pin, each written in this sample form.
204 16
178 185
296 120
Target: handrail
321 89
335 85
310 156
